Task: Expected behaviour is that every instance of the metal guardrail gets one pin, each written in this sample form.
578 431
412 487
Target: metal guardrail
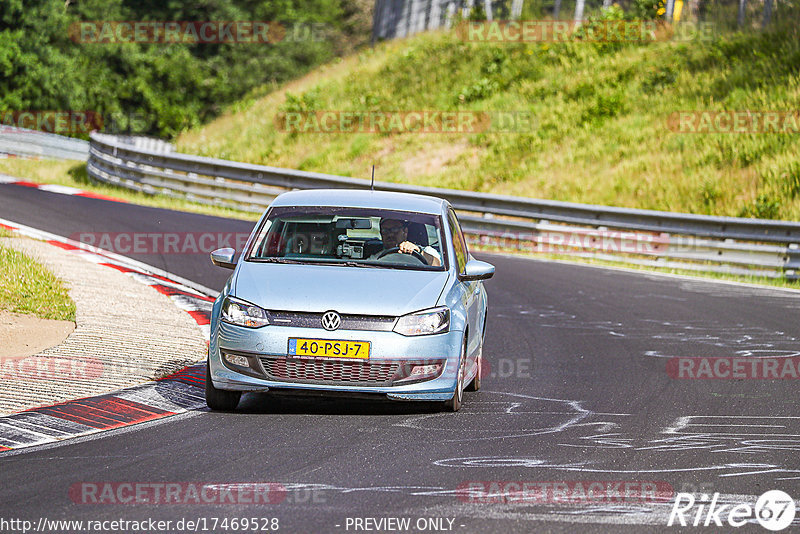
675 240
32 143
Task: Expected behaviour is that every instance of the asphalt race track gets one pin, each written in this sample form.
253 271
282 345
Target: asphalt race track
578 392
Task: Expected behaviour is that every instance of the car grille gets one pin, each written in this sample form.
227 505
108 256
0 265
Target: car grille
349 322
335 372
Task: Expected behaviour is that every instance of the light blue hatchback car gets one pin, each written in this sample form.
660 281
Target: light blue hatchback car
350 291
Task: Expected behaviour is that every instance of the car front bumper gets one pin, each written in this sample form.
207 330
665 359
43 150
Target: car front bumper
271 342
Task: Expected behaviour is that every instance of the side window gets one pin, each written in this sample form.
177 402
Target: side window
459 244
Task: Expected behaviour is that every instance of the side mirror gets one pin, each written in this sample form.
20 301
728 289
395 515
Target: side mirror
223 257
477 270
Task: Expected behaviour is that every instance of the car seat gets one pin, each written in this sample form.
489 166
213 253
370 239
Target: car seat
417 234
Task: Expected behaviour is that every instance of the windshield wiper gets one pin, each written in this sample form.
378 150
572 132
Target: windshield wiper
277 260
360 264
345 264
349 263
333 263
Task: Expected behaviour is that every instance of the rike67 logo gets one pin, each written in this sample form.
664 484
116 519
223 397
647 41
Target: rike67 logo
774 510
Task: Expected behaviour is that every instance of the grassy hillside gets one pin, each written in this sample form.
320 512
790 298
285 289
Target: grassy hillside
600 132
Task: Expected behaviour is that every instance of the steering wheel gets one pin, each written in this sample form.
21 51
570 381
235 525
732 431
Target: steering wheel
396 250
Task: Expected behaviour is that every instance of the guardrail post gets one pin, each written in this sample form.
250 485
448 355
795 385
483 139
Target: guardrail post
791 266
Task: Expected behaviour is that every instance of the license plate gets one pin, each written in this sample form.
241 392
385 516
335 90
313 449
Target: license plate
328 348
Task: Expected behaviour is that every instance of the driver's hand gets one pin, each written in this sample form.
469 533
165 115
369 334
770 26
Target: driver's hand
407 247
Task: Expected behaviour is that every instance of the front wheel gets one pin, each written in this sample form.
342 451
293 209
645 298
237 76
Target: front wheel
454 404
475 385
219 399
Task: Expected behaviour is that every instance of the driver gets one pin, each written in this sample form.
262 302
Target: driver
394 233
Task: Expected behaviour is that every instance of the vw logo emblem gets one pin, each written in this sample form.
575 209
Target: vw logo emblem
331 320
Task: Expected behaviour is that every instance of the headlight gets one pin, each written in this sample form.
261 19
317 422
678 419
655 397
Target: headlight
433 321
243 313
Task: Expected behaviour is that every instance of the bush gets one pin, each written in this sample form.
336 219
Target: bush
160 89
645 9
763 208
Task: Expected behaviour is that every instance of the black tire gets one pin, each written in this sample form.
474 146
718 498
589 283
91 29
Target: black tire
475 385
219 399
454 404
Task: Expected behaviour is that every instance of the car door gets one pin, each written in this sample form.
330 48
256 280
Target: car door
470 291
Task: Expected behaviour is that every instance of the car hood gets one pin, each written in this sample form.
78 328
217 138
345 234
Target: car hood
348 290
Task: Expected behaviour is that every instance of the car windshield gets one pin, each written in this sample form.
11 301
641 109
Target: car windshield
351 237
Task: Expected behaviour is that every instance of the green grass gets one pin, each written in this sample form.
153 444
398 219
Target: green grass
27 287
73 174
600 132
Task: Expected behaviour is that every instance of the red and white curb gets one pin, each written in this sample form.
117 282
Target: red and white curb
54 188
168 396
171 395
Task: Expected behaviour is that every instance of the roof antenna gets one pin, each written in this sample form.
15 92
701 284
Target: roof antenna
372 183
